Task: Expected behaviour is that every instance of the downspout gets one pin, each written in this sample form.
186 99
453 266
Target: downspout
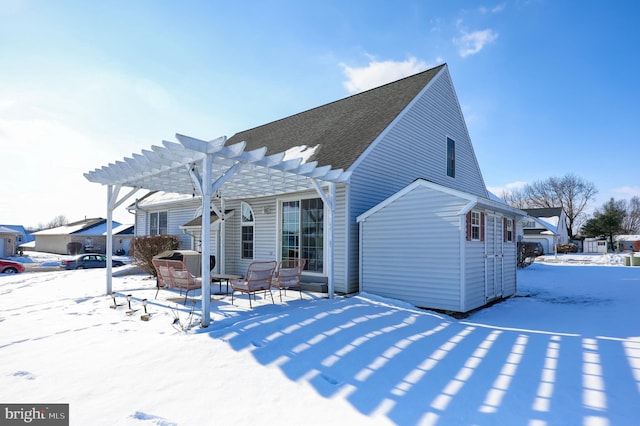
193 238
136 206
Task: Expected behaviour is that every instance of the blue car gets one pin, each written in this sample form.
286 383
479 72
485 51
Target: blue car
88 260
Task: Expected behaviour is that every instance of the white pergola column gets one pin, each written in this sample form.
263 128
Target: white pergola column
206 240
112 204
329 200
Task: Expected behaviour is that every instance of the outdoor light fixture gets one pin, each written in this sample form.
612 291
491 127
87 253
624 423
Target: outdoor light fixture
115 304
144 303
129 300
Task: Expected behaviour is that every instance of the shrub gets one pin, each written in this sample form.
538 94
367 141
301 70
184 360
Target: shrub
74 248
526 254
143 249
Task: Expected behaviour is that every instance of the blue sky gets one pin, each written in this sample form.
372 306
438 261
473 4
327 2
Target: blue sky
547 87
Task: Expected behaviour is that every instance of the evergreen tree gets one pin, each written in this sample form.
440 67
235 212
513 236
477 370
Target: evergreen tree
606 222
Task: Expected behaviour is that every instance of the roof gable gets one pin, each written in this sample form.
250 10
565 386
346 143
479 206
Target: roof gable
339 132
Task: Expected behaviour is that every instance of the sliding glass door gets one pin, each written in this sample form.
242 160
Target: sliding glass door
303 232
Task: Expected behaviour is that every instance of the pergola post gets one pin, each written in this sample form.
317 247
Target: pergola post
206 240
112 195
112 204
329 201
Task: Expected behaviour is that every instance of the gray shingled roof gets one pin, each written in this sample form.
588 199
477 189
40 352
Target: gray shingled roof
343 129
544 212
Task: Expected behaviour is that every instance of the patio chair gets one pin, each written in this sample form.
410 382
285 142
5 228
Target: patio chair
288 275
258 278
174 274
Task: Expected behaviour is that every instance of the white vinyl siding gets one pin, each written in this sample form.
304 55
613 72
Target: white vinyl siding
392 162
176 217
411 250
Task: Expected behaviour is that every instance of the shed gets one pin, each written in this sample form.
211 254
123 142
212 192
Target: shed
440 248
594 245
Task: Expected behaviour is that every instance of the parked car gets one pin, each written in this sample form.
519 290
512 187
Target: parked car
566 248
10 267
533 249
88 260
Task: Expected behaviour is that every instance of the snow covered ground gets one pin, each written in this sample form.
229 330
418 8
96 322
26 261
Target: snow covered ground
565 351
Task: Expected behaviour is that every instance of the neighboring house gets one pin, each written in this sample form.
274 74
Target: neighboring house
90 233
8 241
297 185
626 242
15 237
122 236
546 226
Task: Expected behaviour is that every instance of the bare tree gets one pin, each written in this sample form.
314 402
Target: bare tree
59 220
515 198
570 192
631 221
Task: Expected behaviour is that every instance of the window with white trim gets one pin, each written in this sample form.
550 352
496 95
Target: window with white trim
247 226
475 226
158 223
302 232
508 230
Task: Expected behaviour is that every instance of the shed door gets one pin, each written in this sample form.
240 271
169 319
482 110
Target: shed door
493 257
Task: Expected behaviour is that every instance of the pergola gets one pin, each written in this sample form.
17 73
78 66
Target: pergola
208 169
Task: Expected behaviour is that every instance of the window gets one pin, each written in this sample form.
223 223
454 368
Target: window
302 232
508 230
451 158
158 223
247 231
475 226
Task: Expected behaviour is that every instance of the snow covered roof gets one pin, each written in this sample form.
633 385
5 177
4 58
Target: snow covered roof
627 238
159 198
72 228
5 230
123 229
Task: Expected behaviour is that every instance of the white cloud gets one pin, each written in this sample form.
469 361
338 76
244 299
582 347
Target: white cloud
377 73
627 191
473 42
506 188
495 9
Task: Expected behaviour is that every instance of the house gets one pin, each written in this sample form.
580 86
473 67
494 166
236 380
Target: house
626 242
89 234
296 186
8 241
546 226
12 239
